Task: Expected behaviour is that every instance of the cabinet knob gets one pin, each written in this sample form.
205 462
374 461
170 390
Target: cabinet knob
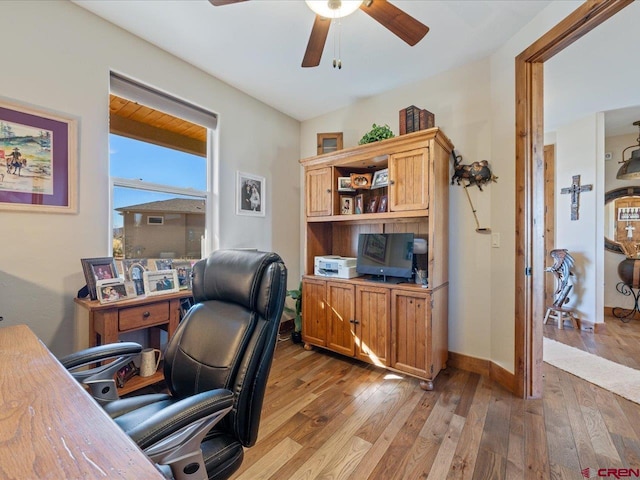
355 322
392 182
328 190
146 314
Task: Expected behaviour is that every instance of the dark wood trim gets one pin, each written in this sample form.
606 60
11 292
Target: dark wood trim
482 367
549 217
529 265
588 326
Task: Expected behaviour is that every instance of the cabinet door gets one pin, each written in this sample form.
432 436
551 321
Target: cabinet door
340 314
409 180
319 192
314 313
372 327
411 330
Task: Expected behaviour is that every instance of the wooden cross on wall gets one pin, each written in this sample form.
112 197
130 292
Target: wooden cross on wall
575 190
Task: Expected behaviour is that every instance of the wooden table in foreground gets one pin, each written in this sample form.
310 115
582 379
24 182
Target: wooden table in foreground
50 428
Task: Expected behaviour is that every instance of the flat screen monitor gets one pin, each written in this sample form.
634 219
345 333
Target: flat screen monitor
385 255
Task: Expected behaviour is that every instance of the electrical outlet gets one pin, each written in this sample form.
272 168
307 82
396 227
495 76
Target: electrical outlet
495 240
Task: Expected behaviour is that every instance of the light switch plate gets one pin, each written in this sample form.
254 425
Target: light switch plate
495 240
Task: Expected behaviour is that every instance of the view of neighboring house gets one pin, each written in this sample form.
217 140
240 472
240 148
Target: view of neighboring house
163 229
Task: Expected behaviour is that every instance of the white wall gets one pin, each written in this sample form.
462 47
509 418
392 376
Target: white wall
576 147
59 59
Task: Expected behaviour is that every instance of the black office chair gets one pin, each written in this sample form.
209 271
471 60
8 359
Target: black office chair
215 367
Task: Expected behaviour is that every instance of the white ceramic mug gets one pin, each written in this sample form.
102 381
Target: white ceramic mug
149 363
421 277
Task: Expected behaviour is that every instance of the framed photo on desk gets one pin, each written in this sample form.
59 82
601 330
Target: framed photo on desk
94 269
111 290
161 281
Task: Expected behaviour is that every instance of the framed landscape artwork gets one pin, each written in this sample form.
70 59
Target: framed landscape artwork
38 160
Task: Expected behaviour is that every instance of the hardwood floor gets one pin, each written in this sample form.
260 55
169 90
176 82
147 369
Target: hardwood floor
329 417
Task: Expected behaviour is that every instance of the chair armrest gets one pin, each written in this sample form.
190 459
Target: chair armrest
99 354
99 379
173 435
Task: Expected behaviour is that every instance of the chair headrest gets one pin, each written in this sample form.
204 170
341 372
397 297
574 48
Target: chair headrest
232 276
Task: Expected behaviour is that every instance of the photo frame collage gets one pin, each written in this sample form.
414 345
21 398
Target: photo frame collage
109 280
357 194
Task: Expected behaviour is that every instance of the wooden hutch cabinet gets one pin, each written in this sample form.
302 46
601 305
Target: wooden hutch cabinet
402 326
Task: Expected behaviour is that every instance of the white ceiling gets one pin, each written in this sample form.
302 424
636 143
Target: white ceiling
620 122
257 46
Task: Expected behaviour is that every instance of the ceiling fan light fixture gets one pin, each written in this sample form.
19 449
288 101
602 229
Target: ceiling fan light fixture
333 8
630 169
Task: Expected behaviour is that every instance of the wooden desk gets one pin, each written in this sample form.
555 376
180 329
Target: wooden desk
50 428
154 313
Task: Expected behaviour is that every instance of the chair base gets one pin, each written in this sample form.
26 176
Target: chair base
560 315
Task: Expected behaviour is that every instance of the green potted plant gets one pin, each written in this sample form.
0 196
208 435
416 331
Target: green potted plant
377 133
296 295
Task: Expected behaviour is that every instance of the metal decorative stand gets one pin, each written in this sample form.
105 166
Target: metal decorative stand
626 314
561 268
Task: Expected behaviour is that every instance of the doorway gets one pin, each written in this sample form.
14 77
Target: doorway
530 245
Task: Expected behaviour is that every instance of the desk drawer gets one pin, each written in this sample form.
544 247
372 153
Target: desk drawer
144 316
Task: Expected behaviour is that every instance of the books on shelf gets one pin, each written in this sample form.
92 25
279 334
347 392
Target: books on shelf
413 119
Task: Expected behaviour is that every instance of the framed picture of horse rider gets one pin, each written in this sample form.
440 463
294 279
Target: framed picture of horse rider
38 160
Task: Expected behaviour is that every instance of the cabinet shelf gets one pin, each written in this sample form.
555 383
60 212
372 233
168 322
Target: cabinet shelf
368 217
137 382
402 327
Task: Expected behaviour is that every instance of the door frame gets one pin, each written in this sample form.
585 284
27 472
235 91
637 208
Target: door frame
549 216
529 135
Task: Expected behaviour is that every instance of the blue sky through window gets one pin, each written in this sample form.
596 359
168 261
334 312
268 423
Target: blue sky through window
136 160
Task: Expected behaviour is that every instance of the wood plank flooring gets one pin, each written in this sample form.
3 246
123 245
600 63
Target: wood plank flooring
329 417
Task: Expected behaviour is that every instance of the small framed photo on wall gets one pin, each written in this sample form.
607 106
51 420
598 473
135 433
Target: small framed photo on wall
250 195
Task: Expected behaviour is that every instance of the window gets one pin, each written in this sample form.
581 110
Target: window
155 220
158 170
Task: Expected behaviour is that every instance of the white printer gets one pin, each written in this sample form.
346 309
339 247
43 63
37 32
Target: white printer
335 266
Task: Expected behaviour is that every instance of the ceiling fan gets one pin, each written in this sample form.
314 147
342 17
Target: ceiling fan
398 22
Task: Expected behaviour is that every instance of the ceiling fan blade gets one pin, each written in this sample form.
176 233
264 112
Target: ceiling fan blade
220 3
316 43
400 23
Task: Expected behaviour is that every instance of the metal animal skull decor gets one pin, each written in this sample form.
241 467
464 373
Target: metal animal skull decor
478 173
